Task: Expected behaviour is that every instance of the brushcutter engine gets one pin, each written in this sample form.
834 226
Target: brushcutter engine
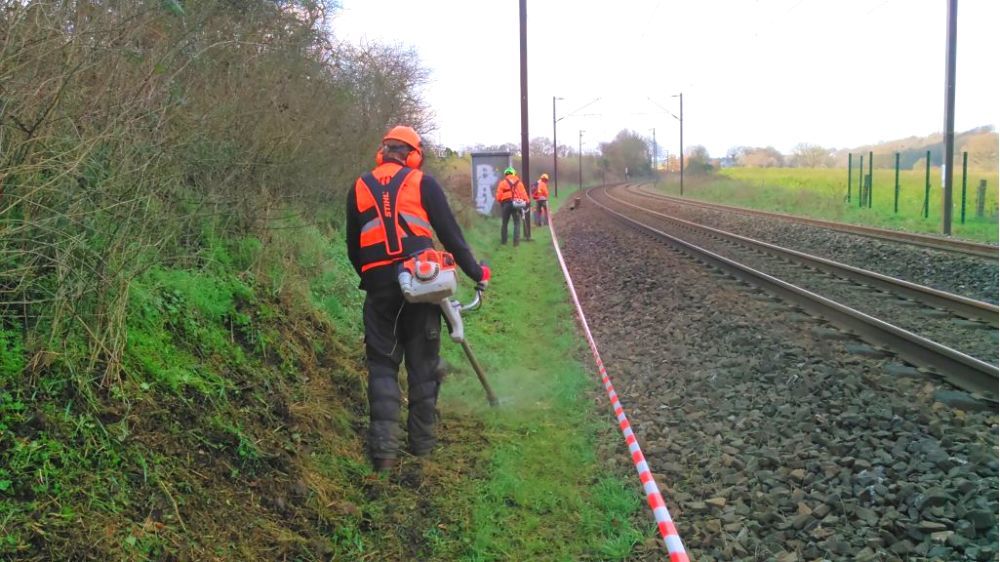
430 277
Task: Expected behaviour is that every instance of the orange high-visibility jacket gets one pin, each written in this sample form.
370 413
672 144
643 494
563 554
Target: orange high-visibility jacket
511 187
542 191
394 223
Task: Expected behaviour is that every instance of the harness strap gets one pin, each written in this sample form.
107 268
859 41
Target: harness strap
385 197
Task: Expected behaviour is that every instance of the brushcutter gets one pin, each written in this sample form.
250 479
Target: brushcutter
429 277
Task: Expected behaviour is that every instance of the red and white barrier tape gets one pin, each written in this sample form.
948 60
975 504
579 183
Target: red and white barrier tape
666 525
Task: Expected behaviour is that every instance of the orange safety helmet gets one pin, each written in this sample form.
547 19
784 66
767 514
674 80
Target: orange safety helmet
408 136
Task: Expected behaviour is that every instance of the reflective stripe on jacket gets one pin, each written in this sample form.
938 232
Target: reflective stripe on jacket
507 189
394 223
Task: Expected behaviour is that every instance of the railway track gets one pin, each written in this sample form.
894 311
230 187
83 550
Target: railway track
921 240
776 436
953 336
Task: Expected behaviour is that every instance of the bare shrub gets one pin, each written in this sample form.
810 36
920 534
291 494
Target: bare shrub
129 128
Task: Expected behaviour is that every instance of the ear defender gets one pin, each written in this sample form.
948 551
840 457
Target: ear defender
414 159
406 135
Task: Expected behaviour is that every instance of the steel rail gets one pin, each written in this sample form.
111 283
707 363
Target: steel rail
957 304
962 370
921 240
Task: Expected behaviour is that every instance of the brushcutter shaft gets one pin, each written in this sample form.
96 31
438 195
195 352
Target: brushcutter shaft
453 314
479 373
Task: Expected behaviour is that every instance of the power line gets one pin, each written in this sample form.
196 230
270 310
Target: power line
584 106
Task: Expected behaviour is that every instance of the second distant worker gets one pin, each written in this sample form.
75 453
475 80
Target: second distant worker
540 192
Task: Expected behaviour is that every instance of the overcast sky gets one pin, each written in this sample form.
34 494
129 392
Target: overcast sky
838 73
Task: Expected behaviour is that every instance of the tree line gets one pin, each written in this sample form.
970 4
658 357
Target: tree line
132 132
980 143
630 154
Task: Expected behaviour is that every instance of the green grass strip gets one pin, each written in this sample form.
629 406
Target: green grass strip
821 193
547 495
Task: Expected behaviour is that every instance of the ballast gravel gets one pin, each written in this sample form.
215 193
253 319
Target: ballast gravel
773 435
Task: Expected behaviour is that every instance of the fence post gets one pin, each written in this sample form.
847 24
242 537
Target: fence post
927 186
981 199
861 180
871 178
850 176
965 172
895 200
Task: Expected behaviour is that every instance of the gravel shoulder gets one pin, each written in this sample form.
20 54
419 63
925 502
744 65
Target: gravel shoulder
773 435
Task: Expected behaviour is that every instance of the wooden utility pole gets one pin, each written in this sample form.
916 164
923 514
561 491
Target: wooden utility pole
525 149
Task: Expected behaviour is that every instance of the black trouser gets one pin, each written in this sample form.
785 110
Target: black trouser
395 329
508 210
541 207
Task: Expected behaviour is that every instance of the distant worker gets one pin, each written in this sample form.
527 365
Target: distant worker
512 198
393 212
540 193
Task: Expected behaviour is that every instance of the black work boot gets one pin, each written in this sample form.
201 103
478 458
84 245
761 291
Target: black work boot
383 465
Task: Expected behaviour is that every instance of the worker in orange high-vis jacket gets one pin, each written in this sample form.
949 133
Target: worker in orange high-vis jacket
393 212
540 193
512 198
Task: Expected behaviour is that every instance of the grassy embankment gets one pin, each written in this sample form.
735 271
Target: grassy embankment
181 364
236 432
821 193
